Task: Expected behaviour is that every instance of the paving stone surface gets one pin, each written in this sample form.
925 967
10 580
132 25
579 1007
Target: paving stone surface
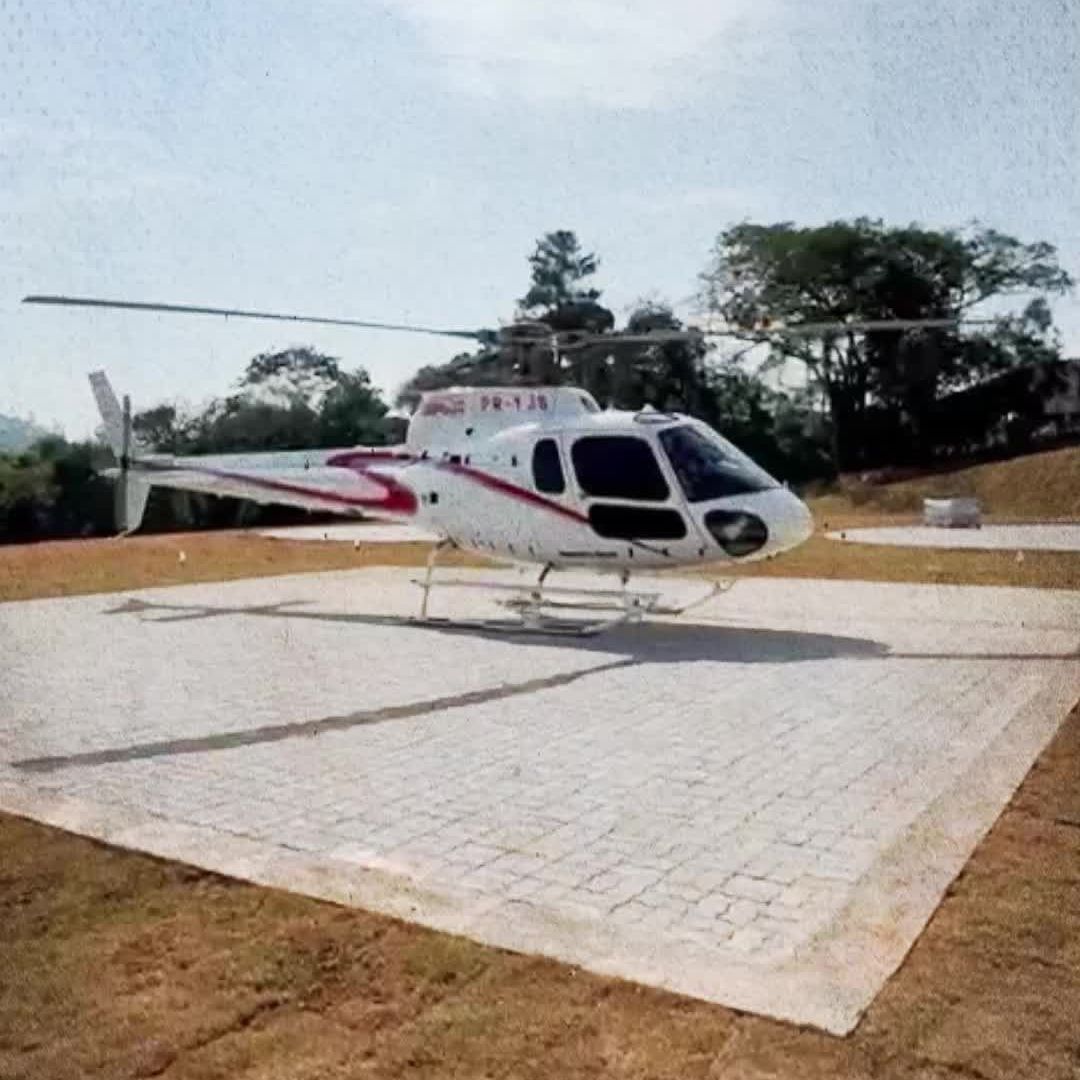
761 806
1062 537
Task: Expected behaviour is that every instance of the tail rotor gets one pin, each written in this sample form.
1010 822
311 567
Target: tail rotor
132 483
123 478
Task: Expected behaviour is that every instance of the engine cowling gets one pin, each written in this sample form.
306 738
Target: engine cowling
456 418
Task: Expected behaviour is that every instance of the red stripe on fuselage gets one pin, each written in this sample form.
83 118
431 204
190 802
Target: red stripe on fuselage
399 500
504 487
357 460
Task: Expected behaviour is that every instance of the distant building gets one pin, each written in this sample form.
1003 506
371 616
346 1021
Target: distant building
1033 403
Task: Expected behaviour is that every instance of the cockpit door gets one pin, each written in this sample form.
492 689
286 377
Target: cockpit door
629 495
721 486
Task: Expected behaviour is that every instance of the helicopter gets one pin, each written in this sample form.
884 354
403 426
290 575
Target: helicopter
536 475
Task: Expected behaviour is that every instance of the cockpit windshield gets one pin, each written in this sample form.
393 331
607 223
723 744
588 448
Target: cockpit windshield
709 467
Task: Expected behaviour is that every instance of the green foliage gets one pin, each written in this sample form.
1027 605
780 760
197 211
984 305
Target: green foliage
671 375
164 429
289 400
53 490
865 270
239 424
25 478
353 413
559 267
508 365
296 374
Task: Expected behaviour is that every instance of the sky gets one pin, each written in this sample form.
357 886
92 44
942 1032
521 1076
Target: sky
398 160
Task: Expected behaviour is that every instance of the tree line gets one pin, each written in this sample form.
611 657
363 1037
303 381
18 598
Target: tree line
866 399
861 400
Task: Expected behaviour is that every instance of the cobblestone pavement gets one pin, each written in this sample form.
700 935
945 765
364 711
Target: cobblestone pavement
761 807
1063 537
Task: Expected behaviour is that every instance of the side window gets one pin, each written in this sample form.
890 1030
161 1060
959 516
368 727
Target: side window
618 467
547 468
619 522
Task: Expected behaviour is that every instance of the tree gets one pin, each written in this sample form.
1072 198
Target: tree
299 373
668 375
53 489
163 428
290 400
864 270
352 413
241 424
464 369
558 269
27 493
559 299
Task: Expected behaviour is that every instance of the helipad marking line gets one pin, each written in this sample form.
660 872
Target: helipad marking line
230 740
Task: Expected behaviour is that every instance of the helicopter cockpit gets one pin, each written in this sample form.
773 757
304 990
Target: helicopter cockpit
707 466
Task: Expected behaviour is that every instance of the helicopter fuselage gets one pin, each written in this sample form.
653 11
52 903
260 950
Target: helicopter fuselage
537 475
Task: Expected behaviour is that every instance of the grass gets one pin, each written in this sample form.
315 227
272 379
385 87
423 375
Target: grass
1035 487
77 567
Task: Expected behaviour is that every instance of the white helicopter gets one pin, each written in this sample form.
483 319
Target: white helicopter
536 475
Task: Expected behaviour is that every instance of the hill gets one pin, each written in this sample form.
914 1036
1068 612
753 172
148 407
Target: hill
17 435
1036 487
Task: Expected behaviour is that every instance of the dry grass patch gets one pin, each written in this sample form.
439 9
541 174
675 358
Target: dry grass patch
77 567
1035 487
821 557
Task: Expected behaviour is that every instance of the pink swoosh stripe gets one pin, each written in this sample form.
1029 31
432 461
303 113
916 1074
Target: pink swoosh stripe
400 499
504 487
358 460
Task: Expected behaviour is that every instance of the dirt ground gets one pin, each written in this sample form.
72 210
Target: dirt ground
113 964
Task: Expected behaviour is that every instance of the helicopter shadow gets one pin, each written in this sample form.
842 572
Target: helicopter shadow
648 642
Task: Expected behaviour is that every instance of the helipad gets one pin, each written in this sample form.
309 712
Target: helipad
761 808
1061 537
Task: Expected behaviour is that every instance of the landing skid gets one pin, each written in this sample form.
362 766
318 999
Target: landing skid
537 606
546 625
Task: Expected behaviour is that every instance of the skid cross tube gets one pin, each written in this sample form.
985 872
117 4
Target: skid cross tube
538 605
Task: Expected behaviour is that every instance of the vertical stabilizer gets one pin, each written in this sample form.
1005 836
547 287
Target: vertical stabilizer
111 414
132 487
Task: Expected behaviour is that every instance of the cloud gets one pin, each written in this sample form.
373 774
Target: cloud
633 54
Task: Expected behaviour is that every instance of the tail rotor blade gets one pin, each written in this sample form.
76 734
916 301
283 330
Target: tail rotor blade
123 479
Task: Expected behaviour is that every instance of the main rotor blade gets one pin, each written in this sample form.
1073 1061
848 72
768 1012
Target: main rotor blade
863 325
838 327
191 309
